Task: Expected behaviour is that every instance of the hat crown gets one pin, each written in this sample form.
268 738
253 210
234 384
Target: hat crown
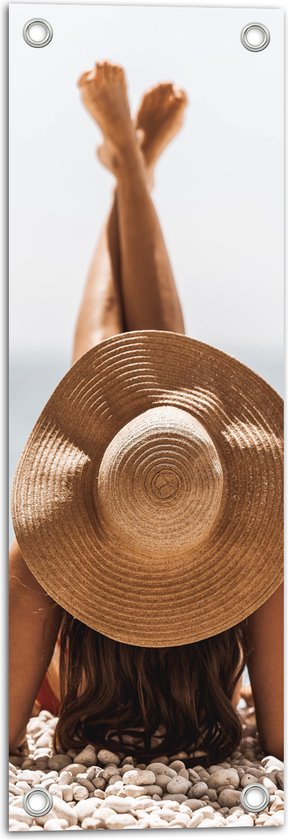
160 483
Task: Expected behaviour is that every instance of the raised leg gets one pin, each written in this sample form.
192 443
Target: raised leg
106 306
149 289
101 310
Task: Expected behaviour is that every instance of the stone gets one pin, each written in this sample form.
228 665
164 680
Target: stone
58 761
248 779
86 756
55 825
229 798
91 823
195 804
18 814
264 780
178 797
139 777
80 792
119 803
175 765
15 825
107 757
178 785
162 780
65 777
152 789
84 809
81 778
158 768
120 821
61 810
74 769
199 789
199 816
224 777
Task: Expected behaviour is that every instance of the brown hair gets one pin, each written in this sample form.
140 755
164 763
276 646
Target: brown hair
111 690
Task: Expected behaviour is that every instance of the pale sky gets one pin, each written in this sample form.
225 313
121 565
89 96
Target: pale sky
219 186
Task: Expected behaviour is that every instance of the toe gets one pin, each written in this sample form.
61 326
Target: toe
85 77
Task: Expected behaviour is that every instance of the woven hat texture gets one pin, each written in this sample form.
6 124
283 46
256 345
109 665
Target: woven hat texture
148 499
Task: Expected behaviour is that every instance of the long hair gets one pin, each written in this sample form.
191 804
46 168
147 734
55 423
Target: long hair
119 696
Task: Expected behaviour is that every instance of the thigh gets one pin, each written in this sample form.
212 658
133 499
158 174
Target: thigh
87 340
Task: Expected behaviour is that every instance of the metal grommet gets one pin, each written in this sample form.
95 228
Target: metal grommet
37 801
255 797
41 30
255 36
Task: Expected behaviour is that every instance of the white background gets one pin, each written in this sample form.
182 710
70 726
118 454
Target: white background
219 186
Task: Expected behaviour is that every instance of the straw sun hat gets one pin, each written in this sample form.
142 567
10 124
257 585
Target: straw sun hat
148 498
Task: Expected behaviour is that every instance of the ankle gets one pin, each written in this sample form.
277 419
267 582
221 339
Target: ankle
129 162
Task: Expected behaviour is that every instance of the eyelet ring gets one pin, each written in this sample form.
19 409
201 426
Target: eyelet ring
44 25
256 47
255 798
37 793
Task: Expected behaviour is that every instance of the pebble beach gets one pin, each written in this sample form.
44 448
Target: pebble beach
100 791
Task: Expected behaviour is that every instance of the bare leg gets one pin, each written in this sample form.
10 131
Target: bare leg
105 308
101 310
151 298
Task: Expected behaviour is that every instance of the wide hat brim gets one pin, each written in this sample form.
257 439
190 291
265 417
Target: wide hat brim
135 598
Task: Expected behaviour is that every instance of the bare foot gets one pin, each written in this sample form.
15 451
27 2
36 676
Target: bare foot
104 94
159 118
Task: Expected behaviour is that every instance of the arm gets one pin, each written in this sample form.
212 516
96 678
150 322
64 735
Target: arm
34 621
266 665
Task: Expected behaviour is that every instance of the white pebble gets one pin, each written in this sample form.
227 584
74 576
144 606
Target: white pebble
55 825
60 810
65 777
85 809
181 819
272 763
104 812
67 793
18 813
200 815
119 803
55 790
15 825
208 822
80 792
264 780
120 821
136 790
139 777
91 823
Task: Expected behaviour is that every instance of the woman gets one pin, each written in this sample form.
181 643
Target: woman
109 690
